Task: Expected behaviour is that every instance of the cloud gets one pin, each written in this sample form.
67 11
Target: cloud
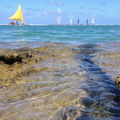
9 6
102 3
91 8
75 14
55 3
27 13
44 13
4 17
28 17
82 8
53 13
59 10
34 9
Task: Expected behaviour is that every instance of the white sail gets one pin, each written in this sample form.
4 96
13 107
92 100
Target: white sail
71 21
92 21
58 21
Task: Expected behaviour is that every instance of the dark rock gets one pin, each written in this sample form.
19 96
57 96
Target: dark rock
117 81
10 59
64 116
23 55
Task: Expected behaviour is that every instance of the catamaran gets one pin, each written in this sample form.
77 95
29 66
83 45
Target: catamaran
58 21
71 21
18 15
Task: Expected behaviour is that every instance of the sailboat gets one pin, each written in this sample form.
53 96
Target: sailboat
71 21
18 15
92 21
78 22
58 21
87 22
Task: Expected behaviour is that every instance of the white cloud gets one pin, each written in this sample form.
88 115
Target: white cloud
55 3
28 17
44 13
59 10
27 13
37 9
53 12
102 3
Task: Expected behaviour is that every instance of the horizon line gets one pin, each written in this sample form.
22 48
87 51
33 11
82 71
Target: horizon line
68 24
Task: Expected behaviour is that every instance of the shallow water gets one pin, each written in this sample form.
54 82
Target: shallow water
77 85
69 34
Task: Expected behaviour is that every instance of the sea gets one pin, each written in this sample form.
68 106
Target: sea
96 34
79 88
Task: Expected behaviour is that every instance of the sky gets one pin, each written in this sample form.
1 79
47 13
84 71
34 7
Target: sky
48 11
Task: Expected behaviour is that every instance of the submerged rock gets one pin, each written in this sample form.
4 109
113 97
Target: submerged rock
117 82
15 63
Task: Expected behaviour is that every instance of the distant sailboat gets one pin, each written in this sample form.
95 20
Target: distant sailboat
58 21
87 22
92 21
18 15
71 21
78 22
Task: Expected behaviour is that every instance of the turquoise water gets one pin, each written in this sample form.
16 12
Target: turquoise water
69 34
80 85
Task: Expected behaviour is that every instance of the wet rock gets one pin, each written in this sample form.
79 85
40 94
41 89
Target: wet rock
19 55
65 116
16 63
11 59
117 81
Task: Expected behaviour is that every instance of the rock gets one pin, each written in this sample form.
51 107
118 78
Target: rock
117 81
24 55
16 63
10 59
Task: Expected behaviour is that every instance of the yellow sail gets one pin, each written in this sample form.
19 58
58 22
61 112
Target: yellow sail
18 15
